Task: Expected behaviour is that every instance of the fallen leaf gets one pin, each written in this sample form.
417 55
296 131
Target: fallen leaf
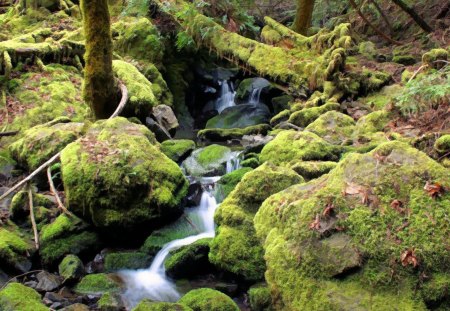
434 190
397 205
409 258
315 225
328 210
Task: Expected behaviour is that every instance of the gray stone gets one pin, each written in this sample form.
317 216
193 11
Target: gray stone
47 281
165 117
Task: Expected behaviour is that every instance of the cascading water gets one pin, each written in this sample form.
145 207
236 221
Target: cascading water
227 95
152 283
255 96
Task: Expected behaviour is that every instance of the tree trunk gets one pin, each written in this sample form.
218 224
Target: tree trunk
413 15
99 89
303 16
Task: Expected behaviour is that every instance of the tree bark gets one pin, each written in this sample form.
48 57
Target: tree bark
99 89
414 15
303 16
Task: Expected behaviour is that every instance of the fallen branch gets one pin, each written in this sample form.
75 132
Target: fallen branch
20 276
13 133
20 184
378 31
33 220
410 11
417 72
55 192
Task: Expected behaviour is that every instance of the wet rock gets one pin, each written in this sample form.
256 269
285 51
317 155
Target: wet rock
47 282
194 195
96 284
165 117
15 248
110 302
255 143
240 116
77 307
189 261
229 289
178 149
247 86
71 268
208 161
232 136
160 132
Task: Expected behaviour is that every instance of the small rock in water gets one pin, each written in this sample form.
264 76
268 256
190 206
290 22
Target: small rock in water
194 194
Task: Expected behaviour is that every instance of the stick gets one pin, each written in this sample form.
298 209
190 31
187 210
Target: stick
20 184
33 220
352 2
55 192
13 133
19 276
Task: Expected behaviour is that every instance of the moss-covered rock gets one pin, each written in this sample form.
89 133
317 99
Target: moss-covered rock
250 162
19 207
334 127
259 298
41 142
16 296
292 145
235 248
110 301
138 38
307 115
126 260
379 206
14 249
282 103
312 169
240 116
66 235
71 268
249 85
206 299
222 135
117 179
99 283
228 182
442 144
208 161
178 150
148 305
433 57
189 261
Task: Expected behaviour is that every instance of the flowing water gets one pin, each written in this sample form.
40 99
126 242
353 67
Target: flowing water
227 96
153 283
255 96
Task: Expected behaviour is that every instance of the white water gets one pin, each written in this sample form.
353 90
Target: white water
227 95
255 96
153 283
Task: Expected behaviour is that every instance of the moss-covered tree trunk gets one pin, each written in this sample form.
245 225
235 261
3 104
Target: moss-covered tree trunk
99 89
303 16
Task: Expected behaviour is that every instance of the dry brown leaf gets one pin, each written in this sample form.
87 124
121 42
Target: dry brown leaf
434 190
409 258
315 225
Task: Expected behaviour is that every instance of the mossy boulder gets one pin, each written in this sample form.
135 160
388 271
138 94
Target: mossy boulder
357 237
208 161
442 144
251 162
71 268
189 261
240 116
247 86
126 260
41 142
236 248
435 58
110 301
333 126
19 207
259 298
148 305
117 179
15 249
99 283
206 299
292 145
16 296
228 182
178 149
306 116
67 234
222 135
282 103
312 169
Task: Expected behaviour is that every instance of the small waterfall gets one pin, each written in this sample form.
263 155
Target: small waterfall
255 96
227 95
233 162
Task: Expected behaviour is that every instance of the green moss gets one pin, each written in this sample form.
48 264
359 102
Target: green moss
381 99
110 301
208 161
367 48
312 169
141 97
139 39
259 298
269 35
334 127
235 248
442 144
14 249
220 135
148 305
189 261
291 145
251 162
19 207
71 268
205 299
406 60
228 182
177 150
281 103
126 260
116 178
280 117
41 142
66 235
16 296
433 57
97 284
306 116
212 153
304 256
